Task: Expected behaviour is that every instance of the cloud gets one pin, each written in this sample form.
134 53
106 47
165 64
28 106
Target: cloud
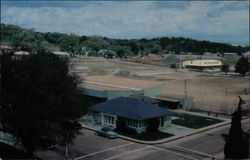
203 20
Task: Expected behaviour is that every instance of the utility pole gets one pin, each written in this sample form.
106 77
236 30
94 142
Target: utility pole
185 85
66 150
180 61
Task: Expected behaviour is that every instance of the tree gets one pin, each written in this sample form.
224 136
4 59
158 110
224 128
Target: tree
70 43
173 65
96 43
40 101
242 66
122 51
225 68
235 146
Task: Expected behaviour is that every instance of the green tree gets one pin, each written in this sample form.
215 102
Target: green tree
225 68
40 101
242 66
235 146
70 43
122 51
96 43
173 65
155 48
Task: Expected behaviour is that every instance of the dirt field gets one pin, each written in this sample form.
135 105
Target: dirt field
211 92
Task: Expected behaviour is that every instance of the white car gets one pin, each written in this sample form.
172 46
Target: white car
106 132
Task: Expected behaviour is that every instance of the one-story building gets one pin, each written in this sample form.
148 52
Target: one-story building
104 88
202 64
19 54
135 112
175 101
150 100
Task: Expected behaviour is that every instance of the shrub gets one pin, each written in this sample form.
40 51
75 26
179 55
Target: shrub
242 66
130 131
225 68
173 66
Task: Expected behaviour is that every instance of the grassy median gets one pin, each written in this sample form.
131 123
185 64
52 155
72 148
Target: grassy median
194 121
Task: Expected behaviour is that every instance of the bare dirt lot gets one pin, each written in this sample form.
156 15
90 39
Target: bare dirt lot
211 92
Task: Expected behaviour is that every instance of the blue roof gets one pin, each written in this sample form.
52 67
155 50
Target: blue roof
130 108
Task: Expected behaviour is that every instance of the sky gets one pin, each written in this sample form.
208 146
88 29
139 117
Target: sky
219 21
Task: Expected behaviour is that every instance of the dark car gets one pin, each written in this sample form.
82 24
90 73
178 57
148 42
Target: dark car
106 132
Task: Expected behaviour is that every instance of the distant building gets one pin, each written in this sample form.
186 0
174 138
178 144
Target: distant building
210 54
202 64
62 54
20 54
230 54
135 112
175 101
5 48
104 88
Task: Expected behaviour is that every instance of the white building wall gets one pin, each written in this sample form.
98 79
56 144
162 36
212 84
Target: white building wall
139 126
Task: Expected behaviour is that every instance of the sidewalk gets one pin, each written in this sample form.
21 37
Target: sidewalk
203 115
178 131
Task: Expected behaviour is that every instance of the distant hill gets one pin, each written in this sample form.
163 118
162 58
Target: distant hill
27 39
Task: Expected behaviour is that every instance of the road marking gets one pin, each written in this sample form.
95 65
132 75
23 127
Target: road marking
91 154
114 86
119 155
191 150
174 153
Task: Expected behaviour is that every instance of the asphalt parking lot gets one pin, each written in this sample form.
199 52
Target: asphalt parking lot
89 146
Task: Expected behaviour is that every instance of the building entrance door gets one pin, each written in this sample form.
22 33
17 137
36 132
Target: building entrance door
162 121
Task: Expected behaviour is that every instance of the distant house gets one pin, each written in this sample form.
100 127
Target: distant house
230 54
5 48
20 54
62 54
135 112
202 64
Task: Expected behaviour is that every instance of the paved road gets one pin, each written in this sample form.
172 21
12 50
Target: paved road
91 147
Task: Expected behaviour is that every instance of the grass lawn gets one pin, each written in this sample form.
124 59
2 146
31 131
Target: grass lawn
194 121
147 136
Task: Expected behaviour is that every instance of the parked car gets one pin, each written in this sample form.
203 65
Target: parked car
106 132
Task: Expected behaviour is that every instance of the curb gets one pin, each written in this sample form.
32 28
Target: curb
156 143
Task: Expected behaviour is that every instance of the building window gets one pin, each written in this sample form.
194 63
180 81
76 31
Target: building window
167 118
109 120
141 124
136 124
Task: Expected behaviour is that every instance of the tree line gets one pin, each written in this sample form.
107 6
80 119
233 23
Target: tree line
28 39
